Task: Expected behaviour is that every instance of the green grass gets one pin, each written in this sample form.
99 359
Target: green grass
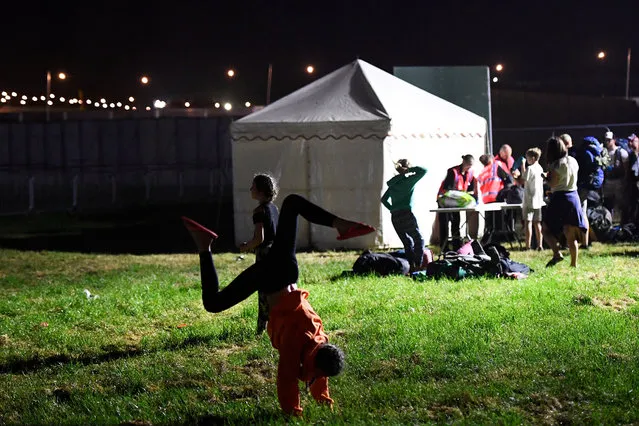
558 347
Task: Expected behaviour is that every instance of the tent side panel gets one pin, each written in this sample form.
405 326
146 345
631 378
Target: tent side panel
345 178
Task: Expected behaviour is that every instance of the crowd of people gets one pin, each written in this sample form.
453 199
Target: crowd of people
556 202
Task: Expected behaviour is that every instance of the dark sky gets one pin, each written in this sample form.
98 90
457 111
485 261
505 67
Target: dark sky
186 46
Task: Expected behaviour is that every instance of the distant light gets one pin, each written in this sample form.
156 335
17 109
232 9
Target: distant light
310 69
97 105
134 108
62 76
14 94
499 67
4 93
144 80
52 96
131 99
34 99
49 102
89 101
126 107
247 104
159 104
23 102
104 106
42 98
119 104
3 100
61 99
148 108
216 105
231 73
187 104
103 101
495 79
24 97
228 106
112 105
601 55
80 101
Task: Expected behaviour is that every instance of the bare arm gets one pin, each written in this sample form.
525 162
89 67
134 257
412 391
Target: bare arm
258 238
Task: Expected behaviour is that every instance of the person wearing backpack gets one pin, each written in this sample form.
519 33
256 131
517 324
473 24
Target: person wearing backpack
591 160
400 193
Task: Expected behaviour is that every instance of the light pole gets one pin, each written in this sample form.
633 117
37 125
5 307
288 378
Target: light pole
61 76
628 74
269 78
602 55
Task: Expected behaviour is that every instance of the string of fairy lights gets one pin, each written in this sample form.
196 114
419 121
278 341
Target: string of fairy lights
48 100
15 98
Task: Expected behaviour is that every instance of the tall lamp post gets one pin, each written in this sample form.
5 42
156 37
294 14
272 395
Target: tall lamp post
61 76
628 74
602 55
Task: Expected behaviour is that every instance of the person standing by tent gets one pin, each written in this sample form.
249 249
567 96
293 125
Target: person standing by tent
564 213
265 216
458 178
296 331
400 193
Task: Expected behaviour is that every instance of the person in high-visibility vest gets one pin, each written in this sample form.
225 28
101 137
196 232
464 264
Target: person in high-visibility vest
492 179
458 178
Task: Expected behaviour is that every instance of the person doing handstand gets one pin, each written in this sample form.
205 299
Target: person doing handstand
294 328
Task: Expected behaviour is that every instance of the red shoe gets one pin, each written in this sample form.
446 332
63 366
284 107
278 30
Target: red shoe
356 231
193 226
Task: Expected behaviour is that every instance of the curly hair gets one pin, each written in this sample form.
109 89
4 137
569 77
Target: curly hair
329 359
266 184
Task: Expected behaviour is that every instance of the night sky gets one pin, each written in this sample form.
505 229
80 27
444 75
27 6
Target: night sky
186 46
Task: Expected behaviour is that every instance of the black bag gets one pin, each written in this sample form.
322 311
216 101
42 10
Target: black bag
600 220
515 195
459 266
380 263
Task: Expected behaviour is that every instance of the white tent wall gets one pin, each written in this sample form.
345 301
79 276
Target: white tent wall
437 155
341 175
345 179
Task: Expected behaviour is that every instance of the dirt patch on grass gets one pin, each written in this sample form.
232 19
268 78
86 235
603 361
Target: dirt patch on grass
549 409
617 305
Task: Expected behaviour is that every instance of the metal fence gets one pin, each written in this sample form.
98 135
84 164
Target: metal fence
126 162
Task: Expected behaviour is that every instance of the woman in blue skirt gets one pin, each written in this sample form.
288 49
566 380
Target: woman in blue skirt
564 213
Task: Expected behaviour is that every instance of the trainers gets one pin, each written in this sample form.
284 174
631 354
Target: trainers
554 261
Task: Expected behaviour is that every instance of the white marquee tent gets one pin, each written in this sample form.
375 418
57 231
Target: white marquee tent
335 142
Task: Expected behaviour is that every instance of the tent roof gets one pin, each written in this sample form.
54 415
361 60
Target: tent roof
359 100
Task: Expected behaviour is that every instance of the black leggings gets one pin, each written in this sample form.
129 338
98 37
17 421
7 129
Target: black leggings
276 271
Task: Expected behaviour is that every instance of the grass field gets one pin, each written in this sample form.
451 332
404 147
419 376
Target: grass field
558 347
